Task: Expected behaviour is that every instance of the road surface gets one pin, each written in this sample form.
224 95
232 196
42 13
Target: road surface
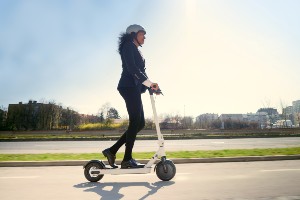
276 180
147 145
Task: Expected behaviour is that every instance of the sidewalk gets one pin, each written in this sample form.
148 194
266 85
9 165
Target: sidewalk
176 161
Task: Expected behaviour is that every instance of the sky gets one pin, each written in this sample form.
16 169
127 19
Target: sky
218 56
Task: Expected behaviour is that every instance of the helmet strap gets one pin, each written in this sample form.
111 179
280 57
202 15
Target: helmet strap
135 38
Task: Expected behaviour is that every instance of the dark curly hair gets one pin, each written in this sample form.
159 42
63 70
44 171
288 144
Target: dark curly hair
123 38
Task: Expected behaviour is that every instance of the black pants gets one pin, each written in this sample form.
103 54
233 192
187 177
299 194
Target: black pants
134 105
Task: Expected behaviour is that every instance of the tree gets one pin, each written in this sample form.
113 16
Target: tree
187 122
216 124
3 116
101 116
112 113
172 122
149 124
104 108
69 118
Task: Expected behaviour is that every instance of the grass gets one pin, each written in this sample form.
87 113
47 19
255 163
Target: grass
111 132
114 135
53 137
148 155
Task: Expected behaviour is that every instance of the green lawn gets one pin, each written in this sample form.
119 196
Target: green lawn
148 155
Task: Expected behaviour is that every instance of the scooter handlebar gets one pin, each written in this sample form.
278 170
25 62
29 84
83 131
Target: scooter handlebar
151 92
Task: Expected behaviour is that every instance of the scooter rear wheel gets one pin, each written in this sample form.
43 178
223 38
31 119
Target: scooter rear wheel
87 172
165 171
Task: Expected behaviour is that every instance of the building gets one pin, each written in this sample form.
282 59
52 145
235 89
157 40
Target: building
204 121
232 121
284 124
249 120
233 117
288 110
296 113
171 123
292 113
296 106
260 118
207 116
273 115
269 111
33 116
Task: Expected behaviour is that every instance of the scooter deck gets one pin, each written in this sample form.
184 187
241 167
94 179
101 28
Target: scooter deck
107 169
119 167
116 171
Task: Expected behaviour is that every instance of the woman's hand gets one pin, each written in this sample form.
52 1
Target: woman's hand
155 87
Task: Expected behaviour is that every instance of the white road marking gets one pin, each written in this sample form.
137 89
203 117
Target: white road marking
19 177
279 170
218 142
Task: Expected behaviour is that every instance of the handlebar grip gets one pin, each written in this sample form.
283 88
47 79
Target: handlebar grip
155 91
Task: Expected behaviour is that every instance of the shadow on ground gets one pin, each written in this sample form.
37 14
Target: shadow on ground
114 193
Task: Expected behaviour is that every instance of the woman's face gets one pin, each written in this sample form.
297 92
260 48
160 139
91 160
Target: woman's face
141 37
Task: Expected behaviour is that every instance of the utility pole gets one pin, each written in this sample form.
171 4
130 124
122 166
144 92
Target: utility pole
184 122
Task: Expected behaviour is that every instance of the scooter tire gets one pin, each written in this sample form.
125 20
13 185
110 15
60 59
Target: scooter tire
93 165
166 170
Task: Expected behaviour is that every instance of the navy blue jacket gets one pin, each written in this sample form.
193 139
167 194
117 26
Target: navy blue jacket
133 65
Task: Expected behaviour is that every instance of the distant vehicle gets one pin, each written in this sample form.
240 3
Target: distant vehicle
284 124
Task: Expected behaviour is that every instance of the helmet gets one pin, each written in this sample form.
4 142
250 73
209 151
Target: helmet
135 28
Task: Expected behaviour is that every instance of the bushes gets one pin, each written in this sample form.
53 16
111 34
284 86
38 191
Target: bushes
107 125
98 126
236 124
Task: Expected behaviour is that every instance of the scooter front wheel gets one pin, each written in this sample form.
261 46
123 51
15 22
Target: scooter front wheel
90 174
166 170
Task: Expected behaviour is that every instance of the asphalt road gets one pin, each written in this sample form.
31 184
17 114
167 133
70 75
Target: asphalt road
277 180
147 145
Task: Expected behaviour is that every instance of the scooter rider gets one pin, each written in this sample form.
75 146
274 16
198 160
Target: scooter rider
132 84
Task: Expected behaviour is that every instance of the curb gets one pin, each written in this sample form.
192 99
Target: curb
176 161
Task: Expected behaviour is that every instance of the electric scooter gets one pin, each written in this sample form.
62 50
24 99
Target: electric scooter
94 170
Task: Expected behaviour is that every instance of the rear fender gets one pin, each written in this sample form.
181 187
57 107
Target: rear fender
94 161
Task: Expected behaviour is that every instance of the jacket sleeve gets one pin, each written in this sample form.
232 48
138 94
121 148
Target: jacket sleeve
133 69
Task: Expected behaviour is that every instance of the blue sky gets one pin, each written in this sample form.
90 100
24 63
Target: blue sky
208 56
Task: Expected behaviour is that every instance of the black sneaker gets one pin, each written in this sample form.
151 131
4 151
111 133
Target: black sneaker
110 157
131 164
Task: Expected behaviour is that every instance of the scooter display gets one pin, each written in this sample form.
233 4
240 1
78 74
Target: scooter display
165 169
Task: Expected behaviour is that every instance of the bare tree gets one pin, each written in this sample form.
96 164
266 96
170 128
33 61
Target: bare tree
112 113
102 112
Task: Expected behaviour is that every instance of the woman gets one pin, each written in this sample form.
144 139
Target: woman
132 84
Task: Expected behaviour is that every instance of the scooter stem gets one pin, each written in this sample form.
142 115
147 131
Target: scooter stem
159 135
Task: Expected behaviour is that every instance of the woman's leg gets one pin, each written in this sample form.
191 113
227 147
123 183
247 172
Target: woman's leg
114 149
122 140
132 97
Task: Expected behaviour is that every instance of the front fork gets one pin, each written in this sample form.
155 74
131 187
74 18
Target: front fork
163 160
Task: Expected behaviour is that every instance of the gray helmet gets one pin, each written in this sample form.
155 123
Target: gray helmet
135 28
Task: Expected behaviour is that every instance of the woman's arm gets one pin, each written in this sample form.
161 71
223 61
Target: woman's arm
128 56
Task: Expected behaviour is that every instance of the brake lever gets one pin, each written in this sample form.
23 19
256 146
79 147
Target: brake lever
155 91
